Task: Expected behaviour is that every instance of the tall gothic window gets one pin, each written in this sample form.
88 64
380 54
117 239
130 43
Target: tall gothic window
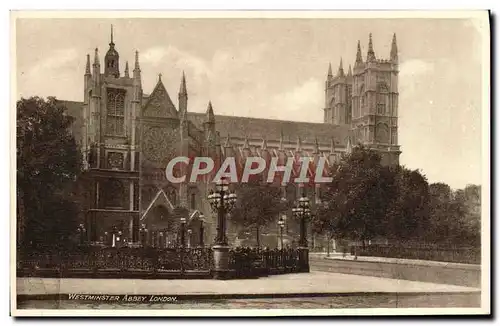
362 100
113 192
382 98
115 112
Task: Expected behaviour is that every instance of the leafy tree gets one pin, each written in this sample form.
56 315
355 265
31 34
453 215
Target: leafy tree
48 163
258 204
408 204
356 197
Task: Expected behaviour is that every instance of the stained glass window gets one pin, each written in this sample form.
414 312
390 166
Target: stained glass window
115 124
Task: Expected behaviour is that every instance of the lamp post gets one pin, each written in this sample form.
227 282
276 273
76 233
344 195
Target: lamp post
202 230
222 201
183 226
144 232
81 230
303 212
281 225
190 232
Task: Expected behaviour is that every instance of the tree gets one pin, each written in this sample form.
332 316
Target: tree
357 196
48 163
258 204
408 208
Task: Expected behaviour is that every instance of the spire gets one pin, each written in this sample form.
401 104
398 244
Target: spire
332 146
112 59
264 143
299 145
182 89
359 58
316 146
87 65
330 70
341 69
111 43
210 117
349 72
159 77
126 70
228 141
281 141
394 49
96 57
136 67
371 54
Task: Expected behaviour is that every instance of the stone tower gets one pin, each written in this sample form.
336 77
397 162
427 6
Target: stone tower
366 99
110 110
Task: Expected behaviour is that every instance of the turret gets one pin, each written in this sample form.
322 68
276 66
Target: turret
137 79
96 73
228 147
370 56
209 115
359 58
112 60
127 75
394 49
87 76
340 72
183 96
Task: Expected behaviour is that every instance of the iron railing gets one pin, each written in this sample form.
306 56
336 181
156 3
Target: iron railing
129 262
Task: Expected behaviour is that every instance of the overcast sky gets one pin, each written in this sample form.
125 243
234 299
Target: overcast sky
277 68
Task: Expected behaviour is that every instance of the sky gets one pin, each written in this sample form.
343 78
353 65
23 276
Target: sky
276 68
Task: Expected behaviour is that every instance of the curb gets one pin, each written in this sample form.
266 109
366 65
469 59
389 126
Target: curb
208 296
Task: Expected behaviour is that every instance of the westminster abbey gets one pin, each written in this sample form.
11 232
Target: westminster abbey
128 134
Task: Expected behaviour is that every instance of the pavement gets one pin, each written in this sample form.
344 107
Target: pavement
315 282
340 256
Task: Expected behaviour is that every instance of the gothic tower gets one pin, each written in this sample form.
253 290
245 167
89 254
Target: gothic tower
366 99
111 107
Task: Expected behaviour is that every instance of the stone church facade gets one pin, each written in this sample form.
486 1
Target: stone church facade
127 138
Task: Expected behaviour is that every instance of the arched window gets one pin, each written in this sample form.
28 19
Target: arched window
115 112
362 100
113 192
382 98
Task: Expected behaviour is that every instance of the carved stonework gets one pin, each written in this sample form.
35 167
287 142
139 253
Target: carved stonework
160 144
115 160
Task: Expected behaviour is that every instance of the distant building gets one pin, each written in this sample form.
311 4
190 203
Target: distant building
127 138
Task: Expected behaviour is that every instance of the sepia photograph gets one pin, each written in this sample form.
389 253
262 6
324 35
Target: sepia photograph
250 163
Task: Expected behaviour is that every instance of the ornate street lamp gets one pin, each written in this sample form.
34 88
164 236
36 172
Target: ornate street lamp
202 230
303 213
81 230
144 232
190 232
161 240
115 236
222 201
183 226
281 225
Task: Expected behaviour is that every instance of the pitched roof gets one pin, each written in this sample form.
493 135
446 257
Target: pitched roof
159 103
240 127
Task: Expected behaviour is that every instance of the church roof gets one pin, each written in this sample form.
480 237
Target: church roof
241 127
